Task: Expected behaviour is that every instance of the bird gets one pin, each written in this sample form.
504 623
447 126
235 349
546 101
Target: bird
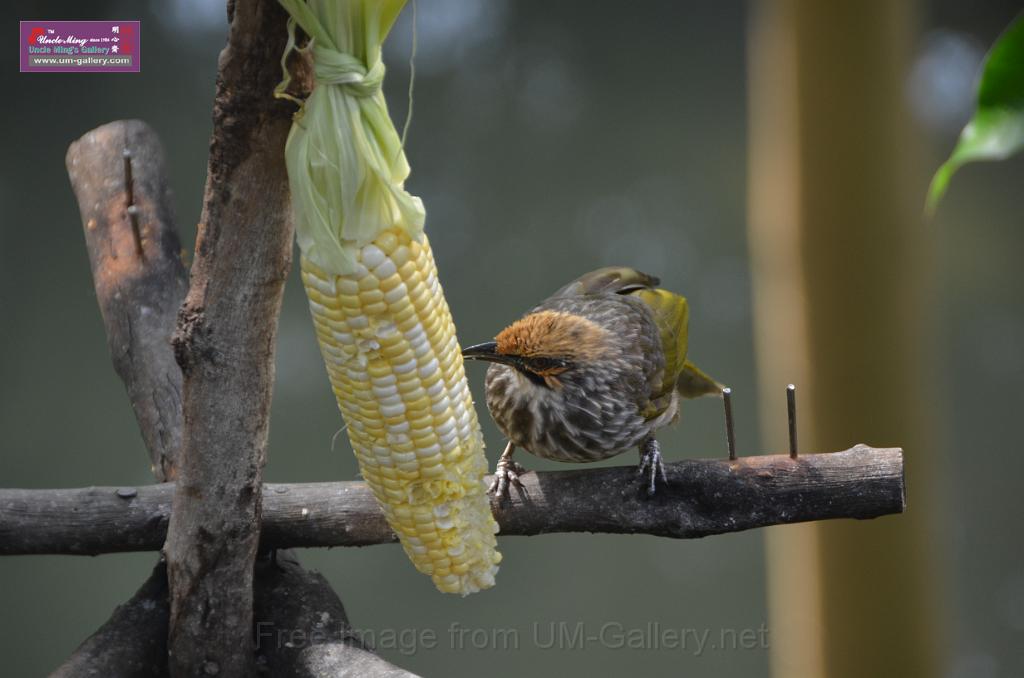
593 371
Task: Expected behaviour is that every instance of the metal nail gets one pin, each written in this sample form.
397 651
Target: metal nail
129 182
730 434
133 216
791 407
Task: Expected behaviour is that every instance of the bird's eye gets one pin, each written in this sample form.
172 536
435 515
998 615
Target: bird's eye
544 365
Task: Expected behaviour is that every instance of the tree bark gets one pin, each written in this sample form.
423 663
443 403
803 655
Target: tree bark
139 295
139 283
302 630
225 346
117 174
132 643
703 497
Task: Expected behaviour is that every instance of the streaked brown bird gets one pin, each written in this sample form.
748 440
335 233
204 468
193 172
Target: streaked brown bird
593 371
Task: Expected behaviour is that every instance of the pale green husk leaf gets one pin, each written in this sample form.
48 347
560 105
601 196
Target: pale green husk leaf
346 165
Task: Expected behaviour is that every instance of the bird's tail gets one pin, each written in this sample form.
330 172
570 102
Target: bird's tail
693 383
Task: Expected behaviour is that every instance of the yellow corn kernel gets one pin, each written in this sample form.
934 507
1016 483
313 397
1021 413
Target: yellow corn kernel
387 339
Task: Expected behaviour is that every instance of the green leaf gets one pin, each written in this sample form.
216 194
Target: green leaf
996 131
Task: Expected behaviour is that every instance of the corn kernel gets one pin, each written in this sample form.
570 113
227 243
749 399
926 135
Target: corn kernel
389 346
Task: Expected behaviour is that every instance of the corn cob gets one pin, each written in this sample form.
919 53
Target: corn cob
389 344
383 325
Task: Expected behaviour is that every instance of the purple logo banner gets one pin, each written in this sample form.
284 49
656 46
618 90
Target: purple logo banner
80 46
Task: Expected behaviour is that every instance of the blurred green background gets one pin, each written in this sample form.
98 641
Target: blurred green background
548 139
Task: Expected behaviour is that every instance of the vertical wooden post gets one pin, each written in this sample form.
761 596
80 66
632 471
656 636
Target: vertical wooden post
834 212
227 331
792 555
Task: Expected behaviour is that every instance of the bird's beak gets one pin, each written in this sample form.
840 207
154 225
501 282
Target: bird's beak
488 351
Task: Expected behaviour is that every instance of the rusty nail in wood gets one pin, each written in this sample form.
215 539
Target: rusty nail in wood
129 182
133 216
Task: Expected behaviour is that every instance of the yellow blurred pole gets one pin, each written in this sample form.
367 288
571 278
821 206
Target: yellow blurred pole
840 259
791 557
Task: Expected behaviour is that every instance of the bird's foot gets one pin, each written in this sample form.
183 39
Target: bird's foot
506 474
651 467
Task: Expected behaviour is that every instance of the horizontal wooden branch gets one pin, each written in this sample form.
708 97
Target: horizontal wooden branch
703 497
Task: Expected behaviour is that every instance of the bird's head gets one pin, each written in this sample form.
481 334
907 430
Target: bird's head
546 346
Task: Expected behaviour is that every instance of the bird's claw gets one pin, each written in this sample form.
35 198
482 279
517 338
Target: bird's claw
506 474
651 467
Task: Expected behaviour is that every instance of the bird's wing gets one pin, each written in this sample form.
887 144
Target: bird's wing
608 280
671 315
693 383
